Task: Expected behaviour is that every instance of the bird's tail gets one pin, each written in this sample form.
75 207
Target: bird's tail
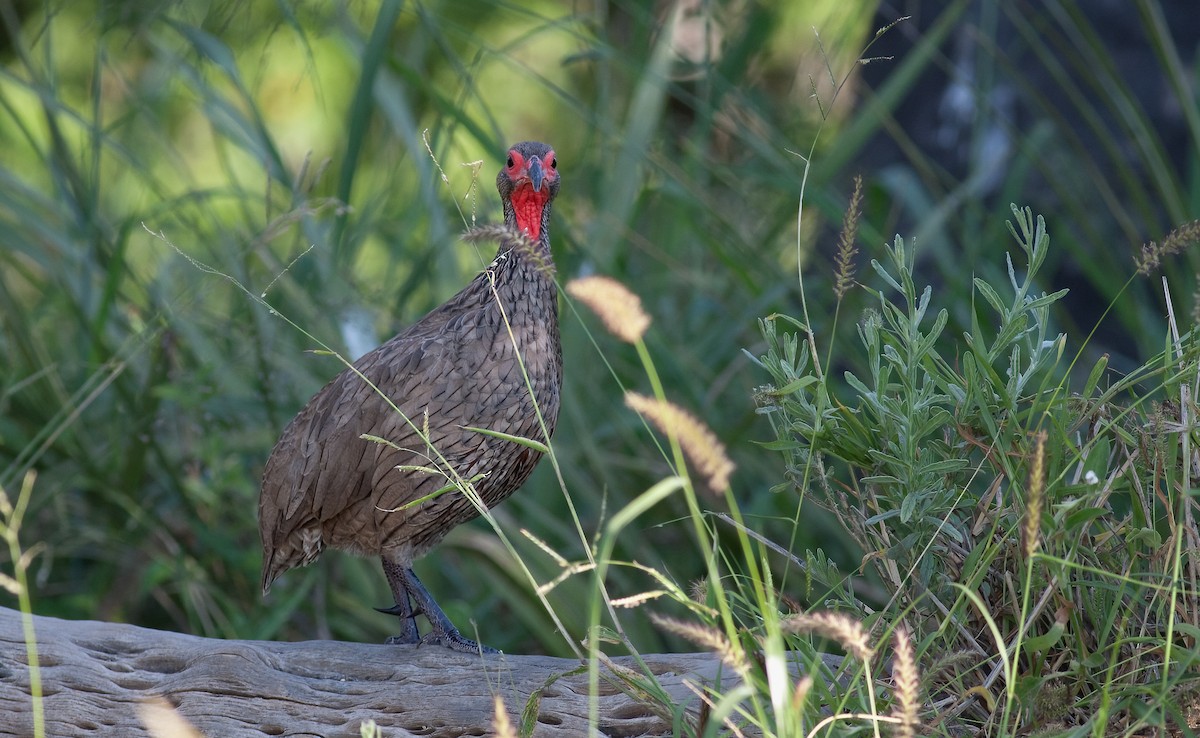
268 571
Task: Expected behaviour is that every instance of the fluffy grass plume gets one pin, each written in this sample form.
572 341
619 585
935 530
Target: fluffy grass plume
845 630
699 444
848 242
1036 490
705 637
1176 241
162 720
509 240
907 685
502 727
619 309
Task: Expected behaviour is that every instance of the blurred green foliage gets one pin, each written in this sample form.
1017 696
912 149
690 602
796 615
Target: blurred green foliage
284 146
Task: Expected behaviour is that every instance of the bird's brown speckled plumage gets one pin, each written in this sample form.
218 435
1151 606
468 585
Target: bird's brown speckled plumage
458 366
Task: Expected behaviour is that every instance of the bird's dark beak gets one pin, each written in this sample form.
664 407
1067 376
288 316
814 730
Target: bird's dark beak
536 173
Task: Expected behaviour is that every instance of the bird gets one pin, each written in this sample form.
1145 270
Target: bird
368 465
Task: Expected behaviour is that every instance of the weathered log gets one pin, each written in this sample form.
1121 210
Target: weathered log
97 676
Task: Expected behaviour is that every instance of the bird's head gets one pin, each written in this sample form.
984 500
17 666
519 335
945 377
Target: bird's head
528 183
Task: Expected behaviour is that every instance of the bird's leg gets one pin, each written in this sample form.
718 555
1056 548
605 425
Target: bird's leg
403 608
443 631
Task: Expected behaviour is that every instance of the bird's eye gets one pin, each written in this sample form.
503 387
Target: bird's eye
554 163
510 161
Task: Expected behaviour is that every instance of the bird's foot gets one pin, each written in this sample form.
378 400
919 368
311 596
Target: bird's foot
408 633
413 599
404 639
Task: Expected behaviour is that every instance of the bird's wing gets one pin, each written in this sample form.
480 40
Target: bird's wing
324 475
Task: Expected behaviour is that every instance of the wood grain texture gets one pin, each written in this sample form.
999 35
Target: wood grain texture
95 676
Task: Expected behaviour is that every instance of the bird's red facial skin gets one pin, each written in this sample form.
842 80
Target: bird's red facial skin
528 204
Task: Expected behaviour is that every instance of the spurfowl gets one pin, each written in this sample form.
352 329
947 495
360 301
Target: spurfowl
457 368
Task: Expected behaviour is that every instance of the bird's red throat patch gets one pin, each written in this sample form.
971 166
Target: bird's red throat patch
528 206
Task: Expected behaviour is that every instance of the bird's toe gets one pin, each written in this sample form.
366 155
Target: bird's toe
455 641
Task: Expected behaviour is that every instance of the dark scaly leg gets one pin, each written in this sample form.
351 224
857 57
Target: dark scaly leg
412 598
442 631
403 608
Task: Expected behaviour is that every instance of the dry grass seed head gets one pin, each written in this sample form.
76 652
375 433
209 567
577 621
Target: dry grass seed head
699 444
800 693
162 720
1031 531
510 240
637 600
501 726
907 684
848 242
1176 241
843 629
704 636
619 309
950 666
